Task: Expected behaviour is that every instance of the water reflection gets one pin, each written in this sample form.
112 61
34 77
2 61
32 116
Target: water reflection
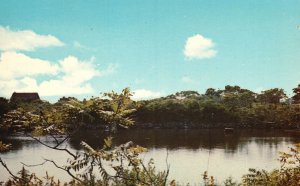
191 152
188 139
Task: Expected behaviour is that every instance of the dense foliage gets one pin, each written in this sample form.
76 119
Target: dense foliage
233 106
230 107
111 165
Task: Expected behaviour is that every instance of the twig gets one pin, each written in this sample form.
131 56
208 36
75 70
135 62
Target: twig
7 169
133 164
34 165
64 169
57 142
61 142
145 169
168 168
55 147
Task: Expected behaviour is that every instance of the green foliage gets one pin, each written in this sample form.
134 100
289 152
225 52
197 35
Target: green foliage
118 111
70 113
233 106
296 97
274 96
90 166
25 178
229 182
127 167
5 106
20 119
211 92
287 174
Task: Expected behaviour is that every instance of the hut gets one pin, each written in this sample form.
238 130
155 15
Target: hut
24 96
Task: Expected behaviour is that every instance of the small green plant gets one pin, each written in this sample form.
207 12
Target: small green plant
287 174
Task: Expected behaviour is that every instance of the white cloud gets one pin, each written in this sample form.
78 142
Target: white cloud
15 65
142 94
18 71
60 87
25 40
199 47
77 71
21 73
74 80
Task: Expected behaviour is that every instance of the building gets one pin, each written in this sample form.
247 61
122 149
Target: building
24 96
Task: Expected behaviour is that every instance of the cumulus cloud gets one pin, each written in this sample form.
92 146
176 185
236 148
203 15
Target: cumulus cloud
22 73
77 71
69 76
142 94
74 79
15 65
199 47
25 40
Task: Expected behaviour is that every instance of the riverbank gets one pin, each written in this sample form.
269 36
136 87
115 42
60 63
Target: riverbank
165 125
220 125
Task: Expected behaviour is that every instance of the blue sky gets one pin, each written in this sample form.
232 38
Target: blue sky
154 47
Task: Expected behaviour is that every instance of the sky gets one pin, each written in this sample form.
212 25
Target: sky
155 47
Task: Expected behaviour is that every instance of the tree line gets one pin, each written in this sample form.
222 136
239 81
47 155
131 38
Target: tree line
232 106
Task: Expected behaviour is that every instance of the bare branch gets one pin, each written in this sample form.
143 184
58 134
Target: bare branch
168 168
7 169
61 142
34 165
55 147
64 169
56 140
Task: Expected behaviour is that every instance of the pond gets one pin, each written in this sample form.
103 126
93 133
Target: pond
190 152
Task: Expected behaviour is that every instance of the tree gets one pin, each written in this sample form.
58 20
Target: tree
188 93
272 96
119 111
211 92
232 89
296 97
4 106
125 167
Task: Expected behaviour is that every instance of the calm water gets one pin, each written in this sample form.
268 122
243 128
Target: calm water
191 152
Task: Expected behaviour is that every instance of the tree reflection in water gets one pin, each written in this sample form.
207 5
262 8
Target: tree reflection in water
189 150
